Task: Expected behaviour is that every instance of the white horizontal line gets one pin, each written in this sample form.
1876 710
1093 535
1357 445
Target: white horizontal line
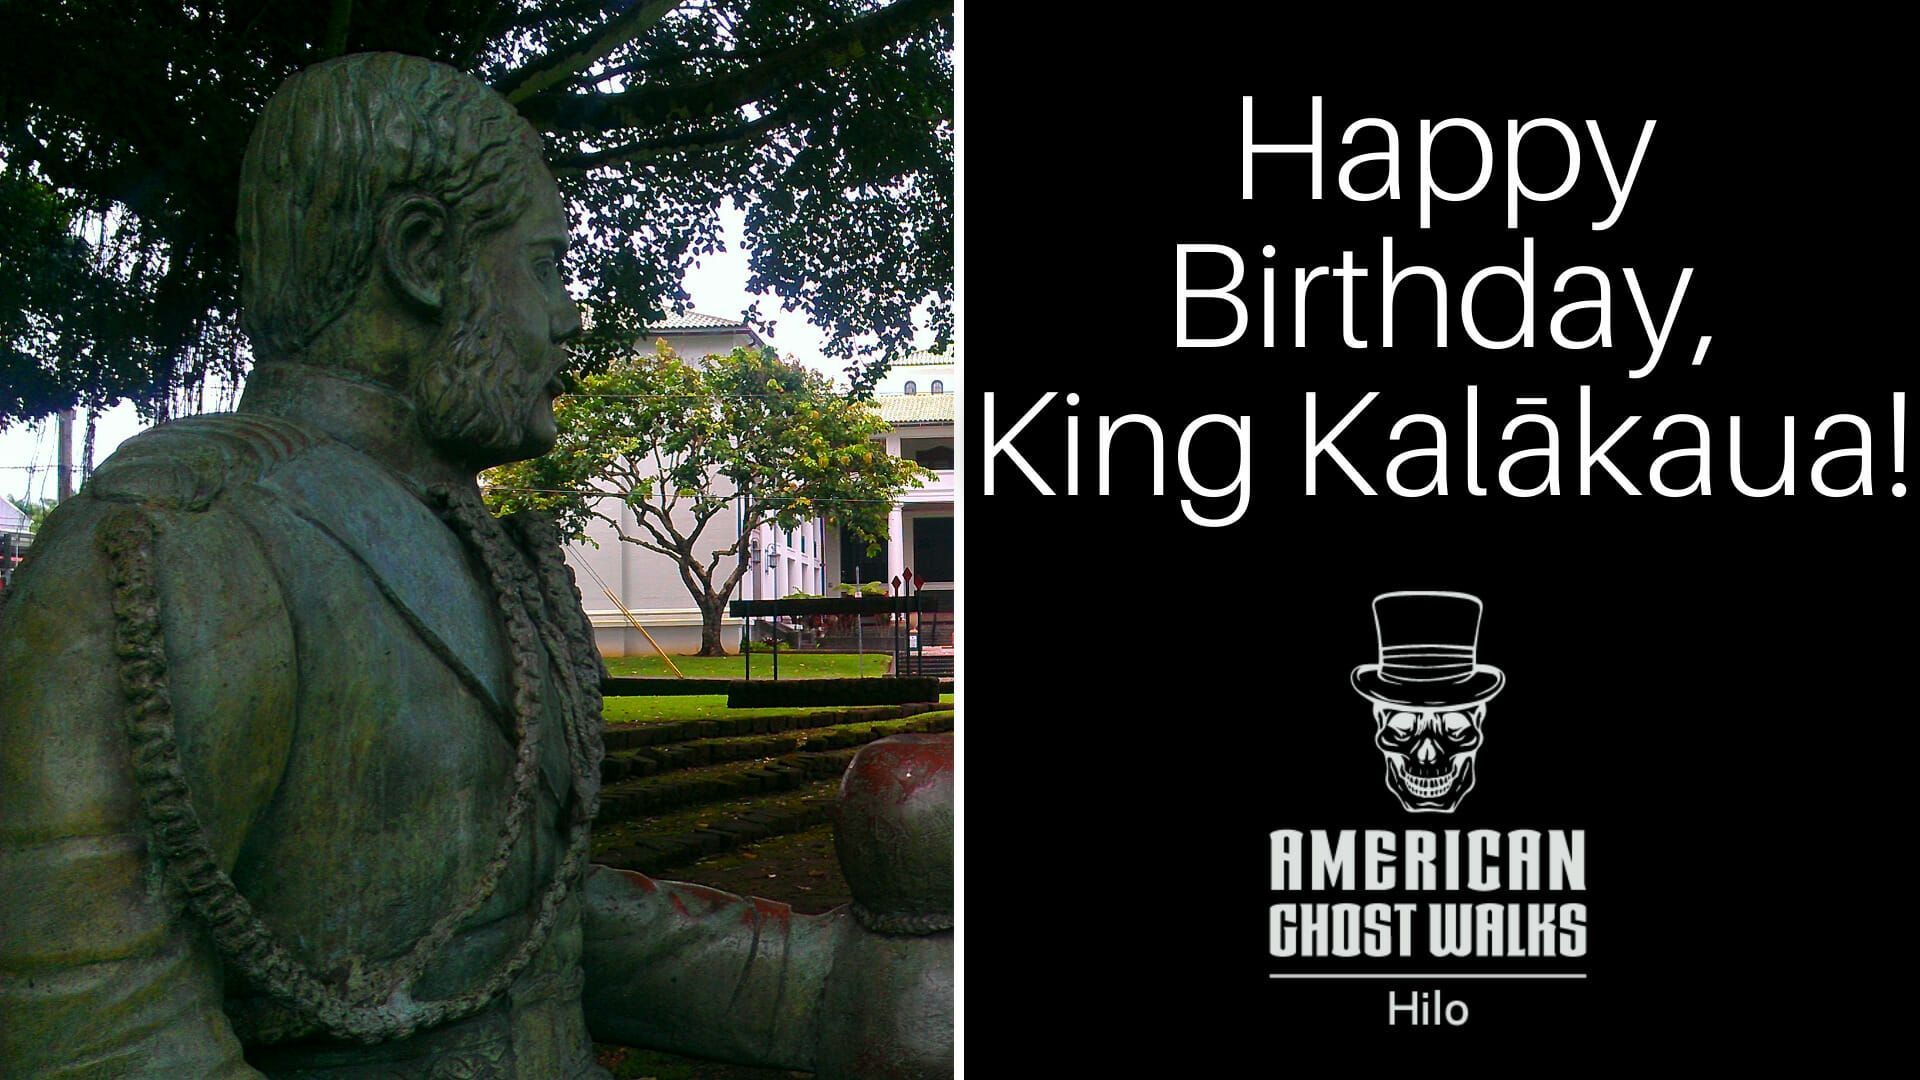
1427 975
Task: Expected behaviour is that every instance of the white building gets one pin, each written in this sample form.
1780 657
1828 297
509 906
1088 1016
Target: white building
16 535
916 397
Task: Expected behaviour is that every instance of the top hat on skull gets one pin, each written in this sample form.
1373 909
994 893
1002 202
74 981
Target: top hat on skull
1429 694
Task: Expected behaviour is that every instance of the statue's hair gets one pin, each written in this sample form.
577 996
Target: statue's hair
338 140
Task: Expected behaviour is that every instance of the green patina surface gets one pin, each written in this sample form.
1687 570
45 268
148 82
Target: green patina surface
365 710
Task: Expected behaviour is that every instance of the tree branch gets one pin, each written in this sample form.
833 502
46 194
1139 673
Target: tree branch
663 485
661 544
339 17
653 103
733 579
131 182
541 14
700 588
559 65
647 149
681 56
647 545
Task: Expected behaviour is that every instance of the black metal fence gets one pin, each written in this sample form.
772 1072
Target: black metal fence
904 625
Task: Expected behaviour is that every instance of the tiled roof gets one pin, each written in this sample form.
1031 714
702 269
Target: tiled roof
915 408
693 320
926 359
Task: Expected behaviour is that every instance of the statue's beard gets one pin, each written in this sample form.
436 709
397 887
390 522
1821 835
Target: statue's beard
477 394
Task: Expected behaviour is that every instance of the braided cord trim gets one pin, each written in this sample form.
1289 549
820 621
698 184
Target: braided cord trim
175 834
916 924
572 648
382 1009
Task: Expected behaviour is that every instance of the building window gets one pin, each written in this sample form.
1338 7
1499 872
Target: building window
856 563
937 387
933 548
911 388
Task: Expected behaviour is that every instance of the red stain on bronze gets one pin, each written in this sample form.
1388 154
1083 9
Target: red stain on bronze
639 880
710 899
770 910
905 764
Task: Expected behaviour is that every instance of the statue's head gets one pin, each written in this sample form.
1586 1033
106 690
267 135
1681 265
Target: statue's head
398 221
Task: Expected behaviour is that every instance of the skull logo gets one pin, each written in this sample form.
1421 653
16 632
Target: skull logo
1429 754
1429 695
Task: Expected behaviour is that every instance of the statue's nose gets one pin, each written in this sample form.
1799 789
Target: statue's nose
1426 752
566 323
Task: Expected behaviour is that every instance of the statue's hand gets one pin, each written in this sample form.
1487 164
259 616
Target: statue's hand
888 1011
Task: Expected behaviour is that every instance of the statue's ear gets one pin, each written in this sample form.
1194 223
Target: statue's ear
414 249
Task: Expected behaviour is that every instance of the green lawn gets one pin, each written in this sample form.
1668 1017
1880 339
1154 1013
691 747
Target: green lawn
792 666
647 710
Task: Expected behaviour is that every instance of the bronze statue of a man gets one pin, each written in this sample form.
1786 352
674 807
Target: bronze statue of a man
299 745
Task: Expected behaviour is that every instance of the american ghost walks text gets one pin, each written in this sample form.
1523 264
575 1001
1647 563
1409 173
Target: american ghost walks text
1423 860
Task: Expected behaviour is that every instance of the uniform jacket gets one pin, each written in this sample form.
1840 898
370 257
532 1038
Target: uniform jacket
338 671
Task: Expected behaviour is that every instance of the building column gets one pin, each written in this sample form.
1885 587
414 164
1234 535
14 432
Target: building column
775 559
896 544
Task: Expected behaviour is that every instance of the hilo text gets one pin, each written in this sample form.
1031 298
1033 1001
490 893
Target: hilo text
1425 1008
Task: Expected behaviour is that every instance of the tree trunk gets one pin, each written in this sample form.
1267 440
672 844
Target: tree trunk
710 630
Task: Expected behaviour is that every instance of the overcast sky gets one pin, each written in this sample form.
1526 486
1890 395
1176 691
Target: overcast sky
718 286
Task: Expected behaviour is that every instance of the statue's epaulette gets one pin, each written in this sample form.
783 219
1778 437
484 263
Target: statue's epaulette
186 464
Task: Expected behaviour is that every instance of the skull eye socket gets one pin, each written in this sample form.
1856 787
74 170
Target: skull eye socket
1456 724
1399 727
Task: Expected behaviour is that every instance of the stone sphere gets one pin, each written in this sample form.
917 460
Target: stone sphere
894 832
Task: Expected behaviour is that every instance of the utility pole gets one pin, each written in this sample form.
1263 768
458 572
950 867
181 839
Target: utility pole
63 434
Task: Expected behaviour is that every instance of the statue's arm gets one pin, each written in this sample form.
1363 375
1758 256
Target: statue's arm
688 968
102 971
694 970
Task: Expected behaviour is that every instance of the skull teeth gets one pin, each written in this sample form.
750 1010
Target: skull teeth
1428 787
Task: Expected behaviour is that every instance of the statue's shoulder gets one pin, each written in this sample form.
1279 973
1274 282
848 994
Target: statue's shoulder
171 475
144 554
188 464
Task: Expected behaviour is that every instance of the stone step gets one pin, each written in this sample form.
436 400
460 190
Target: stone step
753 722
649 761
692 787
940 667
800 868
705 770
671 840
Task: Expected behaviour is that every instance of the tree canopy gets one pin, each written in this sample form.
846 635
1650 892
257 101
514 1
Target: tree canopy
65 304
678 444
829 121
